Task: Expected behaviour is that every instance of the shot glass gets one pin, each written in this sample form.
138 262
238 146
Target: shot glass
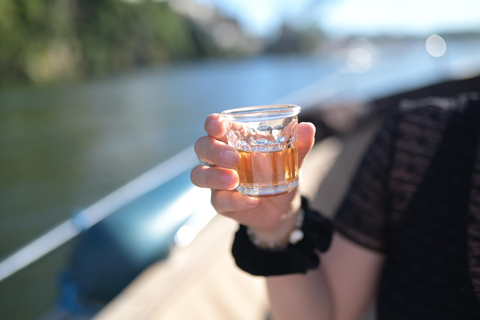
266 138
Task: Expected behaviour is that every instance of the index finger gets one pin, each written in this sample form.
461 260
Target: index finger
215 127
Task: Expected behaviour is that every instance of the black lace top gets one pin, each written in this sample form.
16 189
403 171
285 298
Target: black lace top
416 197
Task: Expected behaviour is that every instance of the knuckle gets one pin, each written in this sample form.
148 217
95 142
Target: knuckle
212 153
204 148
199 145
237 202
195 174
220 201
196 146
214 201
209 118
209 179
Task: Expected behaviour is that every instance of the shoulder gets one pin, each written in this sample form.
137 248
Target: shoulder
433 107
430 113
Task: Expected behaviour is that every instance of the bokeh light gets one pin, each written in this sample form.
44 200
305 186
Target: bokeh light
359 60
436 45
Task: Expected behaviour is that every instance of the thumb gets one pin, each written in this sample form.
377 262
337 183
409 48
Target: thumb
306 139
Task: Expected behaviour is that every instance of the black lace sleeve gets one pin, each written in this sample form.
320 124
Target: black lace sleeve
363 212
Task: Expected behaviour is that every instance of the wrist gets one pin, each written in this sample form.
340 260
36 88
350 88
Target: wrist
287 231
294 258
274 241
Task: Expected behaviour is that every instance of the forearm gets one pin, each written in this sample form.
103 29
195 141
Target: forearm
341 288
299 296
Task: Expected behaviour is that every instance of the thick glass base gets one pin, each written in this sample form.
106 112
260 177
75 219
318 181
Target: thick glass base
266 190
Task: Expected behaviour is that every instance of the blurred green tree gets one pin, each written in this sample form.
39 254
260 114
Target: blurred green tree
55 40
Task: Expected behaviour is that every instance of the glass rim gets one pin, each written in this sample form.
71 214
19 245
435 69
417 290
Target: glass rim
261 113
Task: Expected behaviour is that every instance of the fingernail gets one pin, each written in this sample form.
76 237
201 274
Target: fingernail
226 156
226 178
251 201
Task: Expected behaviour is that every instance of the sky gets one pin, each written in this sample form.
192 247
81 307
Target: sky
369 17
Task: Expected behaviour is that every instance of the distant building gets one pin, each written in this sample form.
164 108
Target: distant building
224 31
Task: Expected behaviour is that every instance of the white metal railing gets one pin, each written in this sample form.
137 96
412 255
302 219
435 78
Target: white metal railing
88 217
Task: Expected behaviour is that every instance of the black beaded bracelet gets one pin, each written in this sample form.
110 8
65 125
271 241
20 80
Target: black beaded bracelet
294 258
293 237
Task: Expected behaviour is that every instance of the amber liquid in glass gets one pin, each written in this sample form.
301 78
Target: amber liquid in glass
264 174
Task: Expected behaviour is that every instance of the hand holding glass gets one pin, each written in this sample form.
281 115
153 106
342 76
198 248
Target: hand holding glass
266 138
